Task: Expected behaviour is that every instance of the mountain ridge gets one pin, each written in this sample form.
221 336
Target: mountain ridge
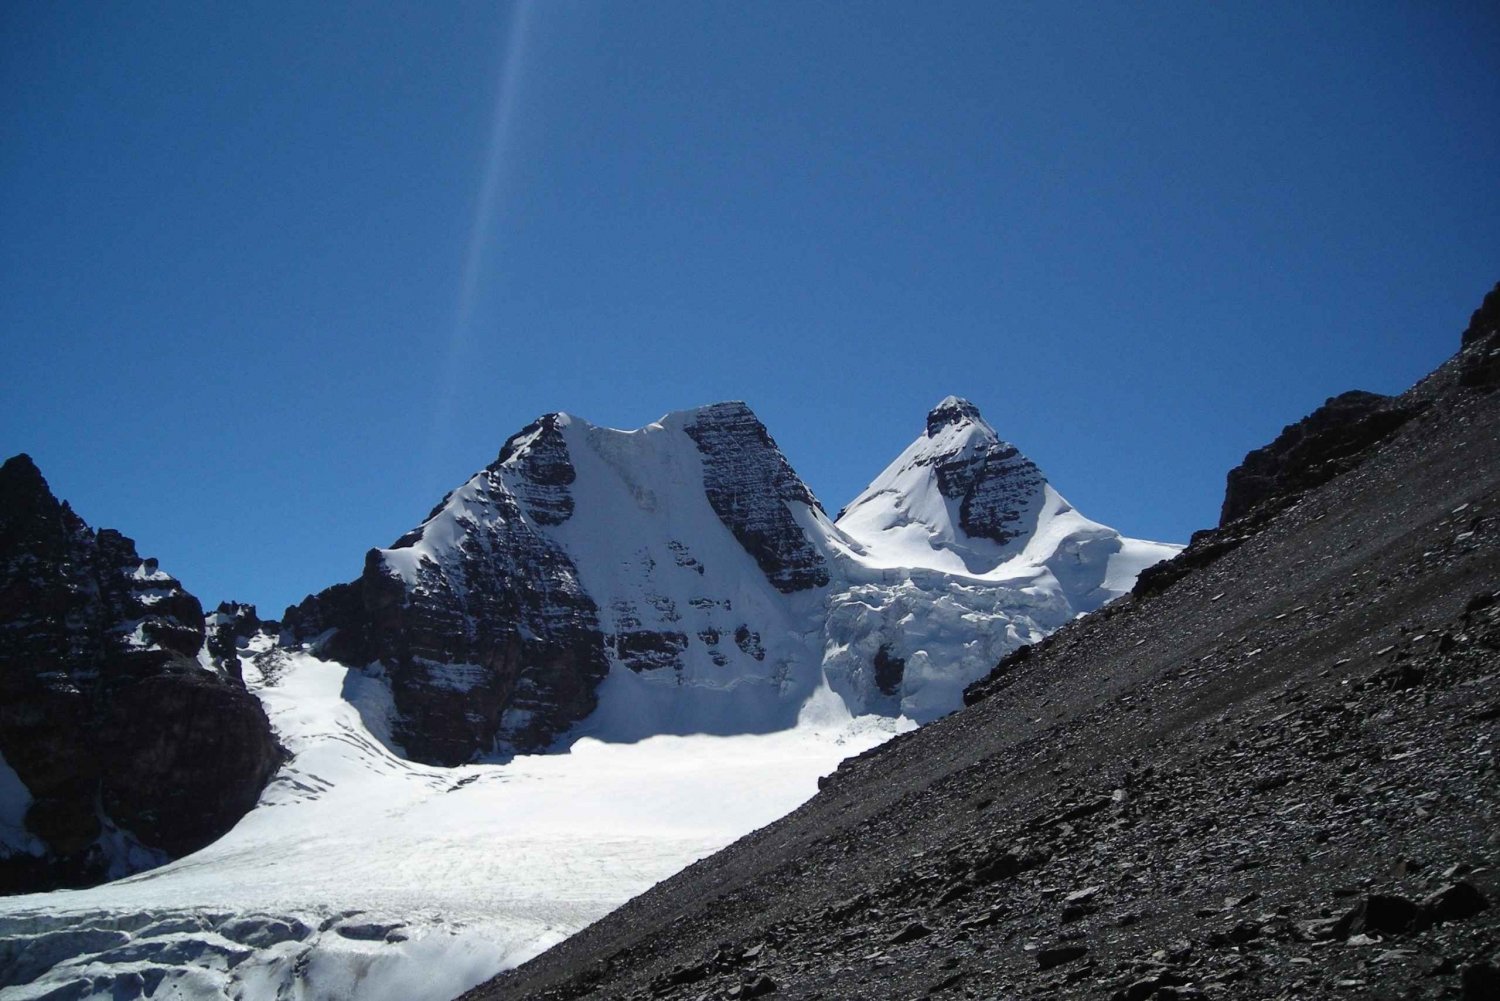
585 559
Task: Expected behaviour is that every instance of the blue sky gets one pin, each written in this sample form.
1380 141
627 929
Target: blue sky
274 277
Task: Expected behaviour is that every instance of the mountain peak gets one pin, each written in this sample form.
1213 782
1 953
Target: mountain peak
952 411
20 474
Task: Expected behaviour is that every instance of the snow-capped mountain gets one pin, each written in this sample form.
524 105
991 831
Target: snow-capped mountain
963 501
682 578
955 555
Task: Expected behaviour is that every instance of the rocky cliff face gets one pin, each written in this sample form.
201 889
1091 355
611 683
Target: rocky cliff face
661 554
1267 777
749 483
476 618
229 629
1479 362
1312 451
996 487
126 750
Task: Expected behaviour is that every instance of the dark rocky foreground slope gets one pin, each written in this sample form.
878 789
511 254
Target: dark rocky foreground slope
130 751
1270 773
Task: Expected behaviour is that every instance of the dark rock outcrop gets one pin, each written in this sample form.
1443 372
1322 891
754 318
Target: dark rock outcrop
1479 364
1312 451
488 639
749 482
997 487
229 628
106 716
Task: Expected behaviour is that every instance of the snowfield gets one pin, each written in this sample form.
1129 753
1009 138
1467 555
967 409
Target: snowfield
362 875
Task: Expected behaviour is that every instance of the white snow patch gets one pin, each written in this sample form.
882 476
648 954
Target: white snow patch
15 800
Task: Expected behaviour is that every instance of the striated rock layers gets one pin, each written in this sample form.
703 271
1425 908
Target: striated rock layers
477 618
998 489
120 749
481 620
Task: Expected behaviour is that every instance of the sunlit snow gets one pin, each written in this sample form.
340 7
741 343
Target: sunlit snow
363 875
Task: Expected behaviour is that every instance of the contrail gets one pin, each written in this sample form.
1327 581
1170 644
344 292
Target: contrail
506 91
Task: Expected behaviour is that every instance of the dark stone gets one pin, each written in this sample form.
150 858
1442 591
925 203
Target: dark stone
910 933
649 650
1244 931
1057 955
492 643
1381 914
749 641
1000 867
749 484
104 708
999 490
889 670
546 469
229 628
1454 902
1076 912
1480 982
1148 987
759 987
1479 362
1080 904
688 974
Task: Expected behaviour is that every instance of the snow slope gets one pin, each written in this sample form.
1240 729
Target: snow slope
362 875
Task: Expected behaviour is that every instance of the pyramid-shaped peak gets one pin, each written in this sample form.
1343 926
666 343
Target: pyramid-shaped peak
20 469
953 410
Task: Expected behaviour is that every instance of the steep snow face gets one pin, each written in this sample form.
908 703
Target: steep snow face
963 501
669 610
686 534
958 496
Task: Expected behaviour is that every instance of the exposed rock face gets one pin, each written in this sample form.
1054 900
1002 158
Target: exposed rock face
487 638
228 629
1312 451
130 750
1480 361
687 564
998 489
493 640
748 482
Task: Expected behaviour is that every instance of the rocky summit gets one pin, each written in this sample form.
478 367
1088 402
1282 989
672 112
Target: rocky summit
682 578
1267 773
128 750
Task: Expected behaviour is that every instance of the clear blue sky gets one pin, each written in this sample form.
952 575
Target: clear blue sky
275 276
